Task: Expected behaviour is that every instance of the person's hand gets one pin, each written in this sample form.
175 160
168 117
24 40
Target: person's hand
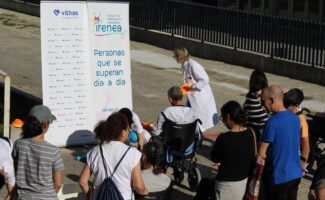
303 167
141 139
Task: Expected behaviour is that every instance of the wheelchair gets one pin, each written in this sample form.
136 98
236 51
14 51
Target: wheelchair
180 143
316 127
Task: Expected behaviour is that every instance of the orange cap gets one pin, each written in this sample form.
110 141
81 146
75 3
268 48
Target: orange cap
18 123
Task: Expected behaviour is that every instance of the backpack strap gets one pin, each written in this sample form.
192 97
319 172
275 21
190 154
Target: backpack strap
164 116
299 113
104 161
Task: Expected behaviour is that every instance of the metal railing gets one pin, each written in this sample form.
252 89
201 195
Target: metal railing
276 36
291 39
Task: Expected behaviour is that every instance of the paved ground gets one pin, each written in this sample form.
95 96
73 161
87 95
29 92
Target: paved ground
153 72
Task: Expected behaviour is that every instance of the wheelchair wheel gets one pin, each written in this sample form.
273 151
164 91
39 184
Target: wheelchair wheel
194 178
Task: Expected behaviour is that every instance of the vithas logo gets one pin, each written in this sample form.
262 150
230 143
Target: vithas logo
56 12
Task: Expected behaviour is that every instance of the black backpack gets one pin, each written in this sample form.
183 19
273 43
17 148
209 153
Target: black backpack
108 190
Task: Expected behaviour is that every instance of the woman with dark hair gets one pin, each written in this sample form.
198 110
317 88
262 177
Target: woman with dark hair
112 135
135 125
152 158
38 164
235 150
257 116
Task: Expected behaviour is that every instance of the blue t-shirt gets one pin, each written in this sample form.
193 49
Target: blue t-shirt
282 131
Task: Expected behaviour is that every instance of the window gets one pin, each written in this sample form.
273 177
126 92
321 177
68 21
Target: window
313 6
283 4
298 5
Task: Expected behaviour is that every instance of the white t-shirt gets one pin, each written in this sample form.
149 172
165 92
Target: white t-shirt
155 183
177 114
136 125
6 162
113 152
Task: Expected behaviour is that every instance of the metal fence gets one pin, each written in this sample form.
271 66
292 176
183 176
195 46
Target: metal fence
277 36
281 37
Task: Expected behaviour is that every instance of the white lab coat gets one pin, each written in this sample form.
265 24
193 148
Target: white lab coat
201 99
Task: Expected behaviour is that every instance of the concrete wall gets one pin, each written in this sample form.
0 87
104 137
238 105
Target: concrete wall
20 6
205 50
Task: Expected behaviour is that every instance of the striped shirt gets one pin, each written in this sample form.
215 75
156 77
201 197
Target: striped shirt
36 162
257 115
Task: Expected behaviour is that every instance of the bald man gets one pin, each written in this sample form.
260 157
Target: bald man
279 147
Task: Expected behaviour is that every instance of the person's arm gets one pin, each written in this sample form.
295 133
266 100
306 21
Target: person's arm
57 168
138 128
158 127
137 181
141 139
216 150
304 141
83 180
261 154
200 76
9 190
57 181
304 151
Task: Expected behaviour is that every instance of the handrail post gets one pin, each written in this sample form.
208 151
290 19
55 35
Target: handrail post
6 117
6 111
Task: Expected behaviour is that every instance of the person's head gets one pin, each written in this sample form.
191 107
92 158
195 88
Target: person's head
233 114
37 122
257 81
293 97
153 156
272 99
181 55
128 114
115 128
175 95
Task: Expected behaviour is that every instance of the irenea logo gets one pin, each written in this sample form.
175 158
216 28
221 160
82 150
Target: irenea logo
58 12
101 29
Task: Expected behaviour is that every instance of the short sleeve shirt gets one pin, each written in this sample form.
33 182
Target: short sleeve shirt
113 151
282 131
36 163
6 162
136 125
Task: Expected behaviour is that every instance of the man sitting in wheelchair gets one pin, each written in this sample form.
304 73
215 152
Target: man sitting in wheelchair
176 112
177 128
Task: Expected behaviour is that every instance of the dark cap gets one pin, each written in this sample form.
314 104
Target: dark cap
42 113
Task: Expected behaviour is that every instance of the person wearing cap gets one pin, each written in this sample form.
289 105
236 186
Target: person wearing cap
38 163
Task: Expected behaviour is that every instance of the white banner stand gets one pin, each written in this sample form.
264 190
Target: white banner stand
85 66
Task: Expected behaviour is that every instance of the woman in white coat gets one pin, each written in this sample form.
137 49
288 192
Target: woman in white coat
200 96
